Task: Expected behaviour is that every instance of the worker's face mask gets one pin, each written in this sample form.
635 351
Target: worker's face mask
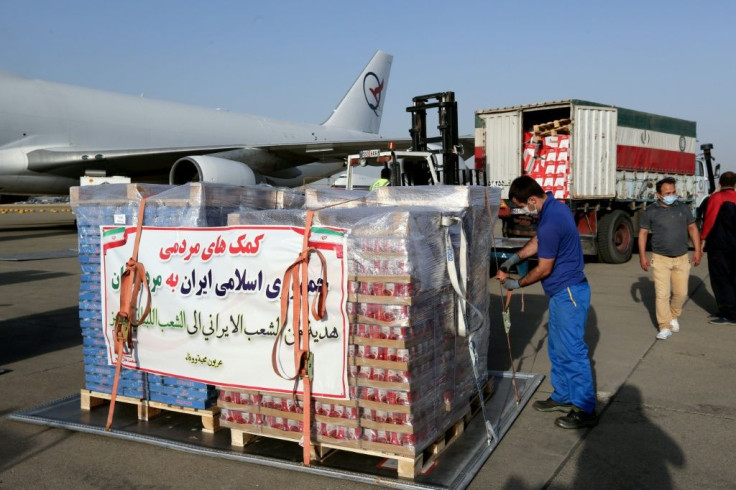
669 200
529 210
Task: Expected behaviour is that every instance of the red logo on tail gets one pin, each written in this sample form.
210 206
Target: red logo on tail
372 84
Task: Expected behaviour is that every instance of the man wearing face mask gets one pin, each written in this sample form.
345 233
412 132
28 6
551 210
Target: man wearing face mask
560 268
670 222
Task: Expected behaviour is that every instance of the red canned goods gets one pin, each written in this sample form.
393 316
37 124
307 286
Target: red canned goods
392 397
341 433
267 401
378 374
402 355
364 351
402 398
408 441
380 353
368 414
382 436
351 413
381 416
370 435
351 308
381 396
395 438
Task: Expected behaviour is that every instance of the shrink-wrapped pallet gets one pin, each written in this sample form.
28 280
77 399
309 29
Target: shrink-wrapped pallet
191 205
410 372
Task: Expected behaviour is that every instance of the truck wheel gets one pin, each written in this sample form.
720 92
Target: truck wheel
615 237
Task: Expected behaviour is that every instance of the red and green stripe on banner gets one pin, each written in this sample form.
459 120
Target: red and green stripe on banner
648 142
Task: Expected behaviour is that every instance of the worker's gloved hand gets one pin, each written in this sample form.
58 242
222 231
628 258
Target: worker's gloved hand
510 284
510 262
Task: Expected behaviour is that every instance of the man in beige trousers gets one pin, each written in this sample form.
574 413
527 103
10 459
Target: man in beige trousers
670 222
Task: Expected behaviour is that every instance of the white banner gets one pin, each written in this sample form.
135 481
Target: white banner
216 302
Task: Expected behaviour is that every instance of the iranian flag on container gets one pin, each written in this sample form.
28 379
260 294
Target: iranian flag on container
648 142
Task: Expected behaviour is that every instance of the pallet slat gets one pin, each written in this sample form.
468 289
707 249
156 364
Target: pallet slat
148 409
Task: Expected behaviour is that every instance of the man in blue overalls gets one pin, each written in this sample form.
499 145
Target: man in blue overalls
560 268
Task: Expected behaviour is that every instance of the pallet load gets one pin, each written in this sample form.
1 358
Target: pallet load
547 157
412 307
410 373
194 205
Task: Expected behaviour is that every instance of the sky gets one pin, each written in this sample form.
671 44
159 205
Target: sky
294 60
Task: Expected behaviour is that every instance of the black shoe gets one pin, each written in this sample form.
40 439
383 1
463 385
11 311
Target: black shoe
577 419
722 321
549 405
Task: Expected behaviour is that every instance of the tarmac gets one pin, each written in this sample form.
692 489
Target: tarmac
667 407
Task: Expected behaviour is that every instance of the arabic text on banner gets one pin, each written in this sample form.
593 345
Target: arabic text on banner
216 299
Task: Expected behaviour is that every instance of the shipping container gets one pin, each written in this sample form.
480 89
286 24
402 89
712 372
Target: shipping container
602 160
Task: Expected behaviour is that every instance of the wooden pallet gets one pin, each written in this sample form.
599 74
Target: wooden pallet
148 409
558 126
409 463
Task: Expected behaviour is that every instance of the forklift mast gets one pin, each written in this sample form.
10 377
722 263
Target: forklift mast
446 106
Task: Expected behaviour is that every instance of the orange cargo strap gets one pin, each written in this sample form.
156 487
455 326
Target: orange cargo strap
296 278
133 277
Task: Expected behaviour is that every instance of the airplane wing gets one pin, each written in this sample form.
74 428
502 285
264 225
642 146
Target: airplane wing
71 161
150 162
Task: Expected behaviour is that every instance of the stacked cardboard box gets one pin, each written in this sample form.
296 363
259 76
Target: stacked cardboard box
549 162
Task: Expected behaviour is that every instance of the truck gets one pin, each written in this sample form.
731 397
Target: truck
601 160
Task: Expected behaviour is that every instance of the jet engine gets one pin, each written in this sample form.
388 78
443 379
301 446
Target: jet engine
206 168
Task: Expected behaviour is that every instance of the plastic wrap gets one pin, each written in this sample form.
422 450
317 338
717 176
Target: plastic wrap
478 208
410 374
118 204
193 205
267 197
316 198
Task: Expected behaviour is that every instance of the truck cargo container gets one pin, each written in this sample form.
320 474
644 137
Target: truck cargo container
602 161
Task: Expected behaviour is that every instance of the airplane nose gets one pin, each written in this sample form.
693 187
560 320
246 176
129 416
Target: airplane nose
13 161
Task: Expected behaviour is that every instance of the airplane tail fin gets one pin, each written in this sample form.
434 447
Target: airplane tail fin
361 108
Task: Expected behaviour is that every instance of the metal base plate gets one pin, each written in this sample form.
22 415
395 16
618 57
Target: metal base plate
455 468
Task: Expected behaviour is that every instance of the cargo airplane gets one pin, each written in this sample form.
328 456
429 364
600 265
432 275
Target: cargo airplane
52 134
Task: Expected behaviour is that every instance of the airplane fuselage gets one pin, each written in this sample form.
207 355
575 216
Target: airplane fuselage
39 115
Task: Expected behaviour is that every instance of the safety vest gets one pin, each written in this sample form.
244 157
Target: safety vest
380 183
